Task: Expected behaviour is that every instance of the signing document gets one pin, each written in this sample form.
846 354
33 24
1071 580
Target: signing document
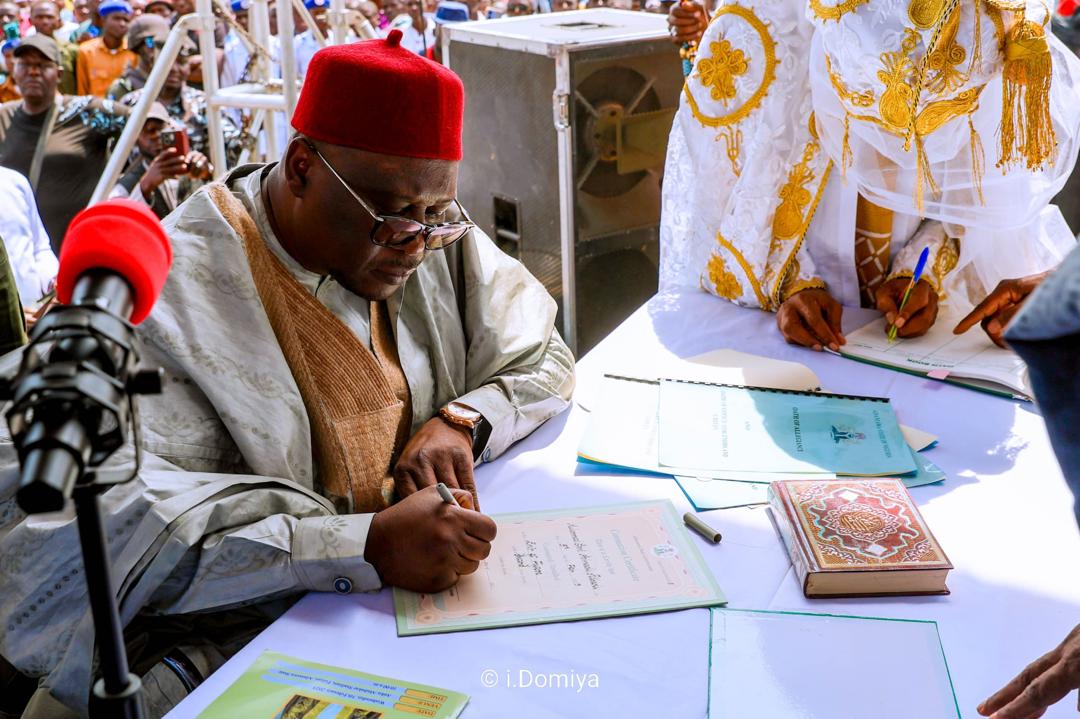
970 359
568 564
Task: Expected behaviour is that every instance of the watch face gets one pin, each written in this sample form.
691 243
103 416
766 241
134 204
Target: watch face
460 411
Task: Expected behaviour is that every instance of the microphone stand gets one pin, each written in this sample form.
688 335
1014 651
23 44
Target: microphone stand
116 693
70 413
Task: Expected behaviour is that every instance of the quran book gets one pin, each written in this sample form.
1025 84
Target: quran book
857 538
970 359
753 429
783 665
278 686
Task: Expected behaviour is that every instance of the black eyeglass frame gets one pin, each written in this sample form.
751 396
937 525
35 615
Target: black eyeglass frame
424 230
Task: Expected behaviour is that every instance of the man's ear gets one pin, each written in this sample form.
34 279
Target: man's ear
298 161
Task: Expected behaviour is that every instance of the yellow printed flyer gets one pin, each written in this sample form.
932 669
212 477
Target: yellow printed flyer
278 686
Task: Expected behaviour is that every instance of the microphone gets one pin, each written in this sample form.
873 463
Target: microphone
71 399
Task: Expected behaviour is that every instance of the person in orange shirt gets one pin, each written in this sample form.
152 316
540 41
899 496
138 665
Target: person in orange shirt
103 59
8 90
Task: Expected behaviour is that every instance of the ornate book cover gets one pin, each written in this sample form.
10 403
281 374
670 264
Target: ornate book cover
858 526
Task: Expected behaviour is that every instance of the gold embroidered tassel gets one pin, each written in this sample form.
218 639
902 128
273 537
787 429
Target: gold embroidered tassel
1027 130
846 155
978 160
924 178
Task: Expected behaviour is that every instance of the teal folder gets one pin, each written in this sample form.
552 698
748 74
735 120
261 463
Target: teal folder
747 429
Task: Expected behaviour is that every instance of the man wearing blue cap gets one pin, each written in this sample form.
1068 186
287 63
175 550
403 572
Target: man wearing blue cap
8 90
102 60
146 36
448 11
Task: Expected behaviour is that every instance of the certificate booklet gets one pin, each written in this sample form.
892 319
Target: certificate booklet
569 564
725 427
822 666
278 686
970 359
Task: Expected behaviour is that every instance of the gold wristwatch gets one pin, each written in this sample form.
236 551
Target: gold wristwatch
462 415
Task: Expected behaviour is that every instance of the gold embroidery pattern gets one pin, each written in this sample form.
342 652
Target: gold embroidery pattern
834 12
768 48
936 114
724 280
720 70
858 99
794 197
746 268
924 14
793 286
943 61
898 100
732 138
786 269
945 260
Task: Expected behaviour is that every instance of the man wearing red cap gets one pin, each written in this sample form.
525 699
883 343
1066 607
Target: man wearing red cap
335 333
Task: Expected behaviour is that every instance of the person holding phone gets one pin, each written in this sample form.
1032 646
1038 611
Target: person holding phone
167 170
186 106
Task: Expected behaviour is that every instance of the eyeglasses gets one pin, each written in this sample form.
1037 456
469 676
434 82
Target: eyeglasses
395 231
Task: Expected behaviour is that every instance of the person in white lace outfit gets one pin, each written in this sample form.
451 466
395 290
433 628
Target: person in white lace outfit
821 145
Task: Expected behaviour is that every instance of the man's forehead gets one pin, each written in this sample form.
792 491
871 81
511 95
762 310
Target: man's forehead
410 179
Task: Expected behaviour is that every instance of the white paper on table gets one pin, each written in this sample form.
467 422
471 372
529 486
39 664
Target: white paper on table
623 431
718 367
917 439
707 493
820 666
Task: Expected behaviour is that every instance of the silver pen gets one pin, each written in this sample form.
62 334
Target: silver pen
446 494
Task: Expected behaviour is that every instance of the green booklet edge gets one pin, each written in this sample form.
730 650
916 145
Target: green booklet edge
937 632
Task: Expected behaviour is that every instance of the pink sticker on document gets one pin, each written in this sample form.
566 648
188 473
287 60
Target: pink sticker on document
938 374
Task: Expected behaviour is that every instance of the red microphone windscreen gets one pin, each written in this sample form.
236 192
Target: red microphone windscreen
119 235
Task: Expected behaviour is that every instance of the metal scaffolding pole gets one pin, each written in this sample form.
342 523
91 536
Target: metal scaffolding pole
122 150
264 94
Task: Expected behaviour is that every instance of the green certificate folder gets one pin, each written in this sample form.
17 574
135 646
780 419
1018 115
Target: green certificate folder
725 427
568 564
278 686
825 666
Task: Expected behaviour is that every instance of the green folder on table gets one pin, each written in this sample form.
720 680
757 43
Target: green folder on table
747 429
826 666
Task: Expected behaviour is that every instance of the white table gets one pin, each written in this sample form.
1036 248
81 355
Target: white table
1003 516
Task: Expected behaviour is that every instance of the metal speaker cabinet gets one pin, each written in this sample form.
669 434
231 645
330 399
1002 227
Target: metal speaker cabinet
566 124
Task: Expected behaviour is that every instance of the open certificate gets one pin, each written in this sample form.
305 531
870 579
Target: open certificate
568 564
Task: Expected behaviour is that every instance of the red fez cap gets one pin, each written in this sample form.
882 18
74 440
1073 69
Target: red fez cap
377 96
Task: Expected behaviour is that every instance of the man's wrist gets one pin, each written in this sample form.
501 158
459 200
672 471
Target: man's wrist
468 420
147 185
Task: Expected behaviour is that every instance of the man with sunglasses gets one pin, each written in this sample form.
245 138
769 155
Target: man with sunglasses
337 337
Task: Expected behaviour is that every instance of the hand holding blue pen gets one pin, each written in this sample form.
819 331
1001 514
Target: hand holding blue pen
919 267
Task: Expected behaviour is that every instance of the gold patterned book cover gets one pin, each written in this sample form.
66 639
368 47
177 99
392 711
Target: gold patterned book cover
857 538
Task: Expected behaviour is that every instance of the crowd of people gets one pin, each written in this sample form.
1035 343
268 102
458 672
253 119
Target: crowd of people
310 381
72 71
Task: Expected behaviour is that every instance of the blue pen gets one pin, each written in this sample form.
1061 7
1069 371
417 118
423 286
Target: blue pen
919 267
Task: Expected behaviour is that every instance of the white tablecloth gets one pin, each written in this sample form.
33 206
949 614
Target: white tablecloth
1003 516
